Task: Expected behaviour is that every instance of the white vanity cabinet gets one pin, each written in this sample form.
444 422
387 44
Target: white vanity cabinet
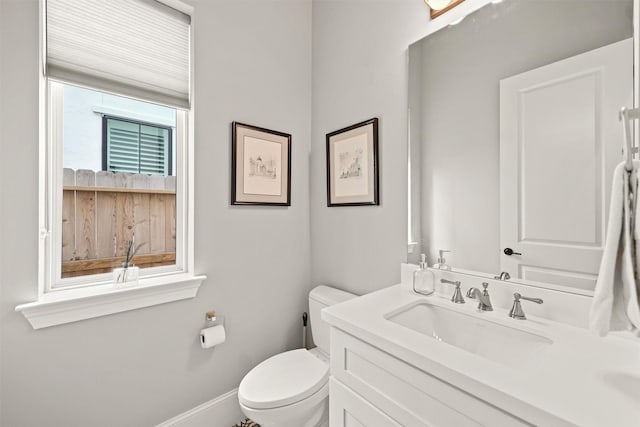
372 388
476 369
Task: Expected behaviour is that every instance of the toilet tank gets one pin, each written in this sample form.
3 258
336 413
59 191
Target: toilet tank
319 298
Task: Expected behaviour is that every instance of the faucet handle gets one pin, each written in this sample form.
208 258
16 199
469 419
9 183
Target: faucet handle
503 276
536 300
516 311
457 294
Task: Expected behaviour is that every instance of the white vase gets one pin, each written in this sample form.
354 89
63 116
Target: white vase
125 276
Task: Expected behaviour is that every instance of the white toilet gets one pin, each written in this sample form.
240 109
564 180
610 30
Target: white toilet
291 389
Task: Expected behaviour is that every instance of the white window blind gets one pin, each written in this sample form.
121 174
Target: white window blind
139 48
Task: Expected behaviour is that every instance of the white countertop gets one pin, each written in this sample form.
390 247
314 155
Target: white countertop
580 379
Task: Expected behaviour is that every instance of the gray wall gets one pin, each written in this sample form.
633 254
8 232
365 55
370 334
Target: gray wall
360 72
145 366
252 64
461 69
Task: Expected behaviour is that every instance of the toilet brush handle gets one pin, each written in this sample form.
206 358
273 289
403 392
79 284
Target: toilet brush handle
305 317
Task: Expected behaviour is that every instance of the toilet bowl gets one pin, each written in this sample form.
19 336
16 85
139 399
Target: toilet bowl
291 389
288 389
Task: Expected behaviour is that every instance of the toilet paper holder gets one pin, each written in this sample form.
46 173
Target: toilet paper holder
213 319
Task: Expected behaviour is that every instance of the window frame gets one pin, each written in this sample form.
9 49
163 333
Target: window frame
105 140
52 280
99 298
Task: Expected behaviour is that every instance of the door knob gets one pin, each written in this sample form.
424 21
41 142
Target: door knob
509 251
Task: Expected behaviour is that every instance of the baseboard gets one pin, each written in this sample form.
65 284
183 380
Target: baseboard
223 411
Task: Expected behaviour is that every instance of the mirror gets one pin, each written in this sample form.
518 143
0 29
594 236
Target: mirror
514 135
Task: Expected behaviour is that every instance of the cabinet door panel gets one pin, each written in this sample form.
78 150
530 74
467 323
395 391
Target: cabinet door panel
410 396
347 409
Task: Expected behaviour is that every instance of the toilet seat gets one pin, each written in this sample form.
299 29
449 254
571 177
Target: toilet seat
283 379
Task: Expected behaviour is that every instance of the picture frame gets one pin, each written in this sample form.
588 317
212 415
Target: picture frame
352 165
260 166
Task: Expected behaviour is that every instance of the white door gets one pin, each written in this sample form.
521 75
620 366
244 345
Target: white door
560 140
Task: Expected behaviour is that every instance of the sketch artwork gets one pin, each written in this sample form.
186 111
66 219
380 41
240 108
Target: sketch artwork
350 160
351 164
262 167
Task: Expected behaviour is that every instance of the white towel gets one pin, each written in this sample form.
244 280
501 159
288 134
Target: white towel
615 299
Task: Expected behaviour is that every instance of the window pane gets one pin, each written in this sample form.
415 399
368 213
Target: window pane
119 182
123 146
154 150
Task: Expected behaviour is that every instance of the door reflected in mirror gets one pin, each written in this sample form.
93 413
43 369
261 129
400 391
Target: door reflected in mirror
514 135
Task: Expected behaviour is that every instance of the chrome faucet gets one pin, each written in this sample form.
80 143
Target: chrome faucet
484 302
516 311
503 276
457 295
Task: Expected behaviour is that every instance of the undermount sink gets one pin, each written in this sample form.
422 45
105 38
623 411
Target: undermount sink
502 344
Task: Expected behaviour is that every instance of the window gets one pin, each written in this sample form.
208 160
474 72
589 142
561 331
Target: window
131 146
116 159
118 182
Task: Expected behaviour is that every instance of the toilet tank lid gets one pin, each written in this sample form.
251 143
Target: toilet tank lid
329 296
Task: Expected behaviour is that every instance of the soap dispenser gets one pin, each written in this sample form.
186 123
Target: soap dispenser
442 263
423 280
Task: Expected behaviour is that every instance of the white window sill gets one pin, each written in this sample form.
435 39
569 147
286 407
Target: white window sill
57 308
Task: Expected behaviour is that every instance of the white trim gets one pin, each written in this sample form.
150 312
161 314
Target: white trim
43 158
184 182
86 303
636 65
54 175
187 124
636 56
188 191
222 411
456 14
127 114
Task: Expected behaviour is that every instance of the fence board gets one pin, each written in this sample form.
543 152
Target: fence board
157 228
170 182
106 230
141 222
123 222
156 182
85 177
141 181
105 179
170 223
68 225
68 177
85 222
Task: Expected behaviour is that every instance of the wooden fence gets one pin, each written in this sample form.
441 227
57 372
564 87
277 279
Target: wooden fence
103 210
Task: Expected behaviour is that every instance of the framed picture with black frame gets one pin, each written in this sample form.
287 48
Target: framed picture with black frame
260 166
352 165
